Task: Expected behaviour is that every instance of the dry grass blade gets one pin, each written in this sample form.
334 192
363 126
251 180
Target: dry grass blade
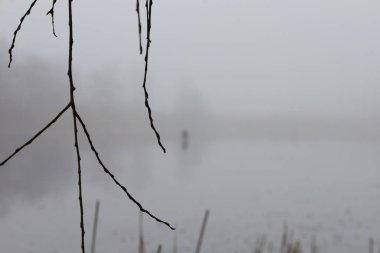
51 13
95 227
201 234
141 234
148 6
371 245
36 135
113 176
175 245
17 30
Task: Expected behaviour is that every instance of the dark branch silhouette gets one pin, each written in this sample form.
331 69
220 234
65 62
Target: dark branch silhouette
142 209
17 30
72 101
36 135
139 24
148 6
76 115
51 13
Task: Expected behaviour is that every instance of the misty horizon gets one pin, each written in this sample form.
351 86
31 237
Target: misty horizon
269 112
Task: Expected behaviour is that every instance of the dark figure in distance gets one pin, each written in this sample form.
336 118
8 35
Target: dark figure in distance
185 139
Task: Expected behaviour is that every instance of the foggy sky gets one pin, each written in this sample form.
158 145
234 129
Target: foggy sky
210 61
248 57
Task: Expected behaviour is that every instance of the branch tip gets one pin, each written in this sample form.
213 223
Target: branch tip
110 174
148 6
17 30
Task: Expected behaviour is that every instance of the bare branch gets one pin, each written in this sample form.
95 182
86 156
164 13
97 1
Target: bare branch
79 177
51 13
17 30
148 6
36 135
76 115
72 101
113 176
139 24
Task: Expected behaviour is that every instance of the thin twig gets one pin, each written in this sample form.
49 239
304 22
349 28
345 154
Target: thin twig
139 24
72 89
17 30
79 177
113 176
51 13
148 6
36 135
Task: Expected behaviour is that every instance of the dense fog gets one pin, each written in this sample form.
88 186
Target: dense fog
269 111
